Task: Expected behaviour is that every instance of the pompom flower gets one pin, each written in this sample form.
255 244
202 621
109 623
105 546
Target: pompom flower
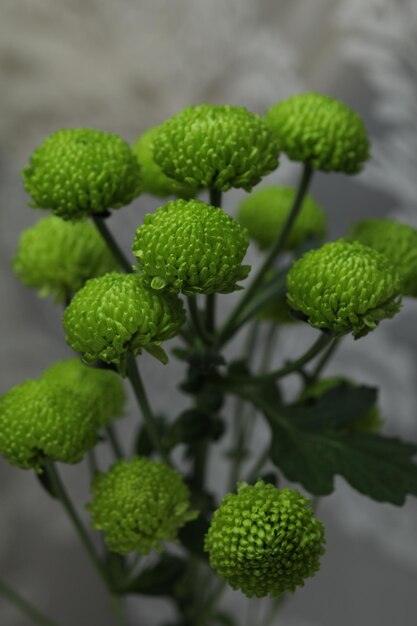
154 181
398 242
57 257
139 504
319 130
265 212
216 146
192 247
80 171
369 422
42 421
101 389
116 314
264 540
344 287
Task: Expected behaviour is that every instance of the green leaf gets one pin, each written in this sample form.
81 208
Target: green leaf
157 352
194 425
310 452
160 579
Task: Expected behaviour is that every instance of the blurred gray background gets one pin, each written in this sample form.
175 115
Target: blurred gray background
124 66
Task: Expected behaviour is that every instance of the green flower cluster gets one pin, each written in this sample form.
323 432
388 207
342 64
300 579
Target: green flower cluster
319 130
139 504
369 422
265 212
116 314
80 171
57 257
154 181
101 389
264 541
43 420
398 242
216 146
344 287
192 247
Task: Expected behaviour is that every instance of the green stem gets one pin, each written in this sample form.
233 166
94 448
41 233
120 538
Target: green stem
142 399
118 610
270 344
324 360
24 606
114 442
196 320
215 199
61 493
111 243
228 329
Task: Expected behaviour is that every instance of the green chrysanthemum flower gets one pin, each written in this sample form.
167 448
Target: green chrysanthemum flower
81 171
264 540
138 505
42 421
265 212
57 257
369 422
216 146
317 129
101 389
344 287
154 181
116 314
398 242
192 247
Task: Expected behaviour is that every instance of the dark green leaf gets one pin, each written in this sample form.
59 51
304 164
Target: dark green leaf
194 425
160 579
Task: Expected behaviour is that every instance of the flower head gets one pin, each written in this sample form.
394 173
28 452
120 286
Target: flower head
264 213
101 389
80 171
317 129
116 314
265 541
398 242
42 421
192 247
216 146
57 257
344 287
138 504
154 181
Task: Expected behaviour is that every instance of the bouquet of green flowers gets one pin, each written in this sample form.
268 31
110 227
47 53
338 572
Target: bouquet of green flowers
261 538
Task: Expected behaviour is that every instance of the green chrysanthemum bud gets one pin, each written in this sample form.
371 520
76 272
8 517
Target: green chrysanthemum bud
216 146
57 257
42 421
138 504
192 247
101 389
154 181
116 314
82 171
316 129
369 422
264 540
265 212
344 287
398 242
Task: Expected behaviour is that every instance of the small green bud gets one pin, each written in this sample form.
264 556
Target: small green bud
398 242
117 313
42 421
265 212
344 287
80 171
138 504
192 247
264 540
57 257
154 181
216 146
101 389
369 422
317 129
